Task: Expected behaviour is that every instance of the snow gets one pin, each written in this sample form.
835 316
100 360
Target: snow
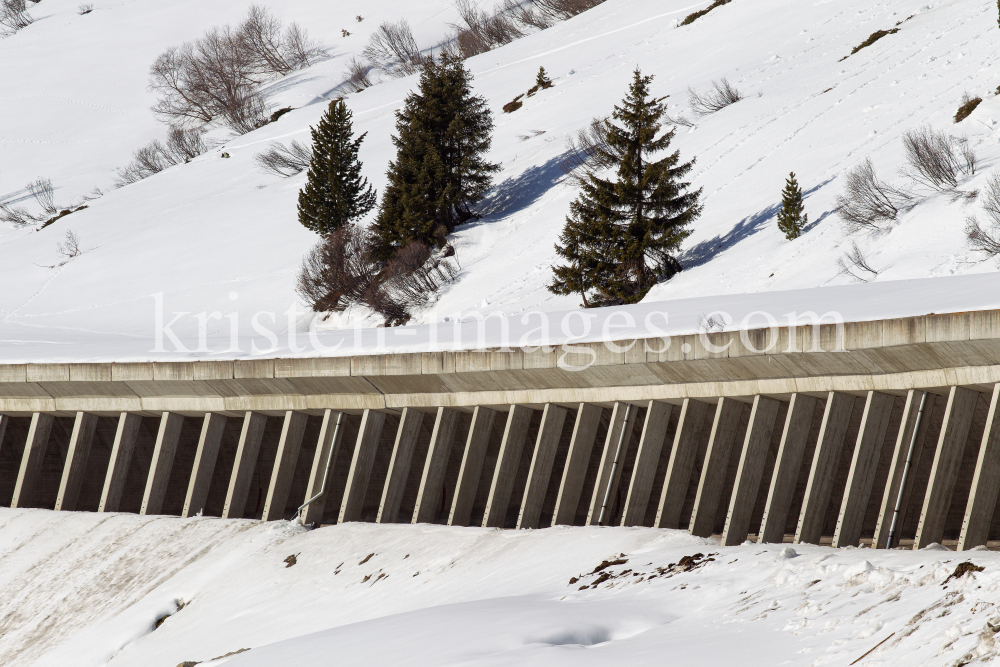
87 589
216 236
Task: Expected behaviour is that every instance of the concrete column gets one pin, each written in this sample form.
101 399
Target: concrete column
163 462
607 484
369 434
508 460
713 473
324 458
76 461
864 464
285 460
958 416
581 445
540 472
244 464
751 468
787 465
4 419
121 458
899 454
472 466
682 457
435 466
31 461
204 463
829 444
399 465
985 481
654 431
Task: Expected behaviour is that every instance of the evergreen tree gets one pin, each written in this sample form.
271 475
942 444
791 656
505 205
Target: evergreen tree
542 79
335 193
791 217
621 234
443 132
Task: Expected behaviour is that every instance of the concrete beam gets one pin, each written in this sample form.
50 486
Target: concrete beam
435 466
167 438
581 445
608 474
829 444
204 463
76 461
410 422
324 458
713 473
958 416
244 464
647 458
546 444
508 460
31 461
369 434
682 457
472 466
985 481
121 458
787 464
751 468
285 460
864 465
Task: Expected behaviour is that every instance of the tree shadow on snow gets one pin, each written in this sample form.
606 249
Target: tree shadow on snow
520 192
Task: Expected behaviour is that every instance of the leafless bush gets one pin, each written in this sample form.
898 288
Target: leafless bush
986 239
867 202
483 31
588 150
936 160
527 14
357 75
408 282
246 111
17 215
276 51
855 264
14 15
393 44
182 146
721 96
678 120
44 194
560 10
85 9
70 246
284 160
185 145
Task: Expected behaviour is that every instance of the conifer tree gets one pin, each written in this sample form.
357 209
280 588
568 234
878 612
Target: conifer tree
791 217
440 172
621 235
542 79
335 193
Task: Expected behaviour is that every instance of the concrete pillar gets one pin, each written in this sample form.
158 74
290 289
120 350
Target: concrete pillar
654 431
399 465
787 464
4 420
285 460
753 457
369 434
324 458
167 438
864 464
31 461
549 432
682 457
985 481
508 460
606 485
204 463
713 473
435 466
958 416
829 444
76 461
899 454
121 458
472 466
581 445
244 464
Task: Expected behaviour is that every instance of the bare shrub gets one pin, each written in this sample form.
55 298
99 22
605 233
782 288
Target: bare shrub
721 96
300 50
936 160
14 15
275 50
44 194
146 161
409 281
868 203
357 75
560 10
691 18
986 239
969 104
246 111
85 9
482 31
678 120
393 44
184 145
284 160
527 14
17 215
855 264
70 245
589 150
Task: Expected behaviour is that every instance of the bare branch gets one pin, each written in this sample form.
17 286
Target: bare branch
868 203
854 263
934 161
721 96
284 161
44 194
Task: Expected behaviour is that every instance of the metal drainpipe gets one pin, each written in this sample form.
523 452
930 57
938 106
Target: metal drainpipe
621 439
326 471
906 470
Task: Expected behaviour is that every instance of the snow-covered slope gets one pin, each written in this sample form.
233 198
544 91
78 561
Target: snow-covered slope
217 235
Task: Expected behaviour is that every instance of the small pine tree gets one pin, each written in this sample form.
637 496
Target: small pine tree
791 217
621 235
543 81
335 193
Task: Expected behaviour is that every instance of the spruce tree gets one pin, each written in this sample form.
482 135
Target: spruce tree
621 235
791 217
440 172
335 193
